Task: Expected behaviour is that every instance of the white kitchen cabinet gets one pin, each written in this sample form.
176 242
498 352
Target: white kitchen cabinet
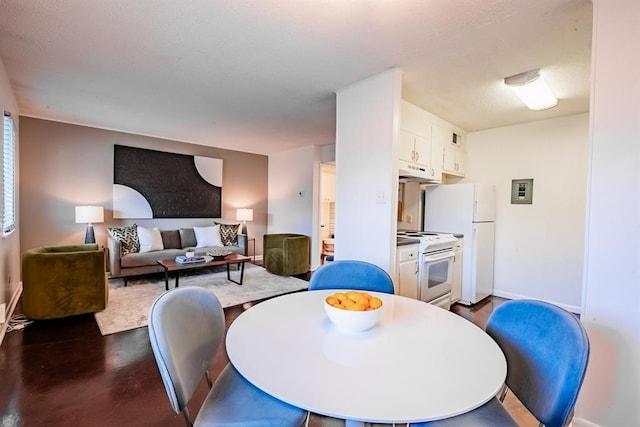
417 152
328 186
415 149
456 282
454 150
407 271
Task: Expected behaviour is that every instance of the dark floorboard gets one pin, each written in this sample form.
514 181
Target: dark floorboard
65 373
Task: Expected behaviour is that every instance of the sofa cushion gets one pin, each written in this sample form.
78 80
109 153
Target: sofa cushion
187 238
128 238
229 234
171 239
149 258
207 236
150 239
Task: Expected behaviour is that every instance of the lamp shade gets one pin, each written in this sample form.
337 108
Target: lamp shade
89 214
244 215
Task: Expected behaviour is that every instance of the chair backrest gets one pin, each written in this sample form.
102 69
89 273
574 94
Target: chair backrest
351 274
547 351
186 326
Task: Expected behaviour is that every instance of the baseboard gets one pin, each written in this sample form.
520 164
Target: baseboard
10 308
581 422
509 295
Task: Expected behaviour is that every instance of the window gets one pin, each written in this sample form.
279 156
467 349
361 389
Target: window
8 177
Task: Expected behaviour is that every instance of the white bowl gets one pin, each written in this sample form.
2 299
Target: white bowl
352 321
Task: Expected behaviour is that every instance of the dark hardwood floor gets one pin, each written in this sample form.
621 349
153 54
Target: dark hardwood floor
64 372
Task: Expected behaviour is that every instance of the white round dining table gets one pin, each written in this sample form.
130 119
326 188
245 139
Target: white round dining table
418 363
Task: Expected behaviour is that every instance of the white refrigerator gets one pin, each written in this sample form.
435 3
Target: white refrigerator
468 209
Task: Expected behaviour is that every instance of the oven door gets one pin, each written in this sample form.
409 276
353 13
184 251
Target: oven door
435 275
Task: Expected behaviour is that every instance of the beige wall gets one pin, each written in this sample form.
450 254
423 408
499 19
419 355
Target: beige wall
10 245
64 165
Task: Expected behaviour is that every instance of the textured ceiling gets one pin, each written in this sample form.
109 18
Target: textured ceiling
260 76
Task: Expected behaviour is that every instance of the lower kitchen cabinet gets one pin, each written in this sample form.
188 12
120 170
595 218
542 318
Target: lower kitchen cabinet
407 271
456 282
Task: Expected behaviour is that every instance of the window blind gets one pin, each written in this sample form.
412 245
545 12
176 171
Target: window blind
8 212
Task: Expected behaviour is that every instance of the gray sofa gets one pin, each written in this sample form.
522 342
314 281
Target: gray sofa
176 242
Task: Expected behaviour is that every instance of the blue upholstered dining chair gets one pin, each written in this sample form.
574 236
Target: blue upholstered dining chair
547 352
350 274
186 326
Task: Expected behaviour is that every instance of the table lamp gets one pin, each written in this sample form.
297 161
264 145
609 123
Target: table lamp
244 215
89 215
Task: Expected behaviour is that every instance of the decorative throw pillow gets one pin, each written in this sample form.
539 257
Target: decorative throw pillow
229 234
187 238
150 239
171 239
128 238
207 236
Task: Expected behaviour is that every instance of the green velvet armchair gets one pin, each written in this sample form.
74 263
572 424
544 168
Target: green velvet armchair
60 281
286 254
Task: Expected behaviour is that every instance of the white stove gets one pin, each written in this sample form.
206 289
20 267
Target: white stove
431 242
435 266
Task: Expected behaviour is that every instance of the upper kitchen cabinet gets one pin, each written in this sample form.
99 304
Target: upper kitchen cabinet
418 155
328 184
454 150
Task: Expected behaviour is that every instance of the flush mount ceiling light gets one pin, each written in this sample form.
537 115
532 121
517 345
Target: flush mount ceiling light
532 90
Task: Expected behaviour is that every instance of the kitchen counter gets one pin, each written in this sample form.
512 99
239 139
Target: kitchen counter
402 241
456 235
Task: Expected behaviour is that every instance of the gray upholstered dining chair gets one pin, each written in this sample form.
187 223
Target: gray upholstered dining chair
547 352
351 274
186 326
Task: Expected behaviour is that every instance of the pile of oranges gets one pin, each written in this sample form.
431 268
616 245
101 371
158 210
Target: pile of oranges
354 301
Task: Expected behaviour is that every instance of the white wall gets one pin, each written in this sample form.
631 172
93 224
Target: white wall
10 246
539 247
611 392
293 194
366 169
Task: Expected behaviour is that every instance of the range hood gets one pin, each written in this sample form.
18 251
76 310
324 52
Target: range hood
408 172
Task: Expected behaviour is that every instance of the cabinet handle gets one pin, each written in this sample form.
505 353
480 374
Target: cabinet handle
417 156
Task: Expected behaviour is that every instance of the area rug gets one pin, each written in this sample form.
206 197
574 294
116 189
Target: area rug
128 306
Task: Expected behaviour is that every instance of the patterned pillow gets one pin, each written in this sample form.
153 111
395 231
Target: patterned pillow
128 237
229 234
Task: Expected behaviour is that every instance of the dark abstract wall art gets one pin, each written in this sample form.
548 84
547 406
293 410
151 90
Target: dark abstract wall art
157 184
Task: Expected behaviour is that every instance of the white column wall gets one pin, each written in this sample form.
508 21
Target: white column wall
366 169
611 392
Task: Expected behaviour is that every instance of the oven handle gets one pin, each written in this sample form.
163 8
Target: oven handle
438 257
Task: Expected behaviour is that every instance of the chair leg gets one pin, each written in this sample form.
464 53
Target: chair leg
503 392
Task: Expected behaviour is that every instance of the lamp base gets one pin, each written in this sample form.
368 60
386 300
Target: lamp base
89 237
244 228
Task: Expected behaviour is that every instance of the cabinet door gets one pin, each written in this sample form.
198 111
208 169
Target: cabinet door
407 146
461 162
328 187
423 151
407 268
436 158
449 160
456 279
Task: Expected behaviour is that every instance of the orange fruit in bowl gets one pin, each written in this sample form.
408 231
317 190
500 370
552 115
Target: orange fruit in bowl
353 311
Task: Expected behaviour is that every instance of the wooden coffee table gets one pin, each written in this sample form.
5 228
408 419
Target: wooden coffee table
170 265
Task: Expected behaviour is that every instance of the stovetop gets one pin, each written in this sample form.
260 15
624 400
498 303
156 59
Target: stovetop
429 241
